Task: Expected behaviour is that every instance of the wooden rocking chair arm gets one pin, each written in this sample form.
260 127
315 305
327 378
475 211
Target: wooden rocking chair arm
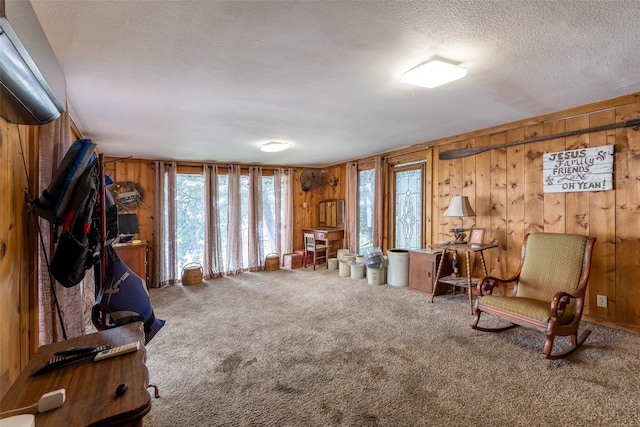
488 283
560 302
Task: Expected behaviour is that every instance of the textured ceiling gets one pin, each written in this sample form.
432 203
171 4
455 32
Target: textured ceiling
212 80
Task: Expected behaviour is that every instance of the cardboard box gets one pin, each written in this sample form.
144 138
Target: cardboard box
292 261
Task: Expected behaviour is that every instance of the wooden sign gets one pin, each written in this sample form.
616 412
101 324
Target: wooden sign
585 169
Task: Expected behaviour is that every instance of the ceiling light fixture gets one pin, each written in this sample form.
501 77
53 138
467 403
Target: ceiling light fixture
434 72
274 146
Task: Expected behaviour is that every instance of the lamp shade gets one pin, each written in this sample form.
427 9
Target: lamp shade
460 206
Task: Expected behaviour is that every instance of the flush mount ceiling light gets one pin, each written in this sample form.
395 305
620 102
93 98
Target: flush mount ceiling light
435 72
274 146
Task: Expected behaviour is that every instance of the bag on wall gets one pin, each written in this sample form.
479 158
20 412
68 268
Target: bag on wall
55 200
75 252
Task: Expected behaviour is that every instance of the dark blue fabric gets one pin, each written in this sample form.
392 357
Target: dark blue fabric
124 297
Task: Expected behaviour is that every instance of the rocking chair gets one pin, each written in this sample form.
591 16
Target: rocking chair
549 290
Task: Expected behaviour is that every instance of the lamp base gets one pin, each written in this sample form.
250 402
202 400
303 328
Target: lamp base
459 235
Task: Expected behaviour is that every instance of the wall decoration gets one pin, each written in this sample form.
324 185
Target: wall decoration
128 195
584 169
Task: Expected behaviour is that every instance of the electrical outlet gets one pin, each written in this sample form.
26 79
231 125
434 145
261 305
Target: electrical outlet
601 301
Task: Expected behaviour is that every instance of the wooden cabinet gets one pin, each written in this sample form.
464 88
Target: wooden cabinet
423 267
134 255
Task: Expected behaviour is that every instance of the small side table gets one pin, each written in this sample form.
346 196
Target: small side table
90 386
463 282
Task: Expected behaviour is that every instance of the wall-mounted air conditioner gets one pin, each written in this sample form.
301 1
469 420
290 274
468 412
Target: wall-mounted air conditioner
32 84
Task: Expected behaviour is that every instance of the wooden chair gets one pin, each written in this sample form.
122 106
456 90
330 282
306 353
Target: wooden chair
319 250
549 290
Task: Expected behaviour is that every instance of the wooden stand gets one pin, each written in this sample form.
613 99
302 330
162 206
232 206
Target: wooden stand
462 282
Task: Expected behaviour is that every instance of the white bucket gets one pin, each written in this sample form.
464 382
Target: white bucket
341 253
376 276
360 259
345 270
398 270
357 270
333 263
348 257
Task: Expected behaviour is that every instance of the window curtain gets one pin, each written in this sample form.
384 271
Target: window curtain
351 207
75 303
256 249
165 268
378 210
213 265
283 241
234 227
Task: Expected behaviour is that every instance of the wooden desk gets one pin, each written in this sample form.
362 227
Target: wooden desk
330 236
462 282
90 386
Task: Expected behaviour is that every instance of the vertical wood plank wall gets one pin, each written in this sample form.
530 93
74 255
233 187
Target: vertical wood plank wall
505 188
17 335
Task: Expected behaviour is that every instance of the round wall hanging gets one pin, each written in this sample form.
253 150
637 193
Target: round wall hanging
128 195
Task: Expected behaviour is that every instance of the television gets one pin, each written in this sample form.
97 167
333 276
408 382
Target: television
127 226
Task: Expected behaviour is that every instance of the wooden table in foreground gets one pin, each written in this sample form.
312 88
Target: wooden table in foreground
90 386
463 282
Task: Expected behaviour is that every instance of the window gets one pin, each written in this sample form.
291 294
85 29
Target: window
269 215
365 218
190 219
191 212
408 188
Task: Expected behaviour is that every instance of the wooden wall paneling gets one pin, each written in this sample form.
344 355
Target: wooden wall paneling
444 198
577 203
15 293
554 203
602 226
627 186
469 190
534 196
515 200
498 200
427 227
455 179
434 197
141 172
482 204
449 185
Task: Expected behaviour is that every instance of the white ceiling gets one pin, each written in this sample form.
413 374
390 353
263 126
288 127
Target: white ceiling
212 80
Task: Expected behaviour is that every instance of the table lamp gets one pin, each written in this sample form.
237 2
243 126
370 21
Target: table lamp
461 208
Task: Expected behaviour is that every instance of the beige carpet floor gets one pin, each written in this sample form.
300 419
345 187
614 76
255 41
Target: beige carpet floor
311 348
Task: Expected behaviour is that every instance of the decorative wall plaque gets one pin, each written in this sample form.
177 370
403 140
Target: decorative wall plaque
584 169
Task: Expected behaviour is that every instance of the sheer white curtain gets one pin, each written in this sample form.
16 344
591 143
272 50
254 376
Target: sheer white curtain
213 265
234 226
378 209
283 178
256 249
164 224
55 138
351 207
